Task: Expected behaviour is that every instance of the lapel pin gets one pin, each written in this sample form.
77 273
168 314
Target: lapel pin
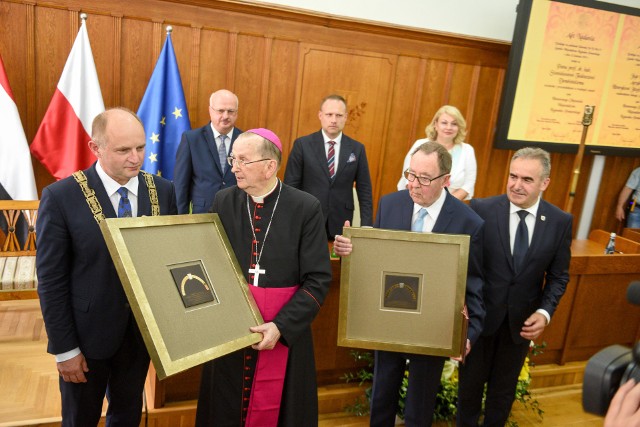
543 218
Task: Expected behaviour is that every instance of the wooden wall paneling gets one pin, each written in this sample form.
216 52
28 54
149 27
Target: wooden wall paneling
435 93
363 78
191 84
448 82
561 176
232 57
157 36
182 38
137 61
214 64
264 84
480 132
403 118
52 45
615 174
248 71
587 332
116 75
494 181
461 88
554 337
104 38
473 97
581 190
282 93
30 74
15 50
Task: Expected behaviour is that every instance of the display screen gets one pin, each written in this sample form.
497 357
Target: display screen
567 55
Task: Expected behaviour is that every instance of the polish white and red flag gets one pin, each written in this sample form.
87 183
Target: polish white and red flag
16 171
61 143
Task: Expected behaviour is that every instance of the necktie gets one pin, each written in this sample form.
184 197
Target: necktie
222 152
419 222
124 206
331 157
521 242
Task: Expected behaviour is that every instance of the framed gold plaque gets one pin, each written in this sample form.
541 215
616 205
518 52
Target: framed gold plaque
185 287
404 291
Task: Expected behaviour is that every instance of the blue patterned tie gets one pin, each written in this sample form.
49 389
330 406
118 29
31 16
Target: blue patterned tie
222 153
419 223
124 206
521 242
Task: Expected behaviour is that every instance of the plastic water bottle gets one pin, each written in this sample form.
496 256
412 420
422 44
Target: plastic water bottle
611 246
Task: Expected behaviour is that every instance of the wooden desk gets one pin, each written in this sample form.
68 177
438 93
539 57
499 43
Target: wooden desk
594 312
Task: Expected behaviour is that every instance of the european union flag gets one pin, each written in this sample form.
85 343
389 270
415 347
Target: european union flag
163 112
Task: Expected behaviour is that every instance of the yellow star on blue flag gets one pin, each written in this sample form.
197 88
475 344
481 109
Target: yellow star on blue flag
164 96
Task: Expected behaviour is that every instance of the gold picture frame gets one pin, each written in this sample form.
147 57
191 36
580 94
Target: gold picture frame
185 287
404 291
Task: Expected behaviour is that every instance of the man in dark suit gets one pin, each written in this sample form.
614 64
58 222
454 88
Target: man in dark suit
201 168
523 285
424 207
326 163
91 329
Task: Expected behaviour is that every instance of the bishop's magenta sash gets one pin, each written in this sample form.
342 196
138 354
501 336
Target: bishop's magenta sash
268 381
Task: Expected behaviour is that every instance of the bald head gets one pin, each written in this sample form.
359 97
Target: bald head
118 140
223 110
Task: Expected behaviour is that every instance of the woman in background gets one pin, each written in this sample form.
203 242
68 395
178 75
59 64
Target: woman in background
448 128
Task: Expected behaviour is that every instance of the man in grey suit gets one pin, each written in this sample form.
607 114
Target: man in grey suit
327 163
523 285
201 161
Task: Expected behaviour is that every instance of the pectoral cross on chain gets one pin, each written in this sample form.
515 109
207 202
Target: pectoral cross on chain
256 273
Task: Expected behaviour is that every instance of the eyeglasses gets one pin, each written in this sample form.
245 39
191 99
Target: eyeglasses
221 111
231 160
422 180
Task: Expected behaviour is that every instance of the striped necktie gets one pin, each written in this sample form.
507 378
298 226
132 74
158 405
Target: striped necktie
124 206
331 157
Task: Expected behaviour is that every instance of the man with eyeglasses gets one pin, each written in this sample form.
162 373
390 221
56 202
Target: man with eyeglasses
201 168
425 206
327 163
277 234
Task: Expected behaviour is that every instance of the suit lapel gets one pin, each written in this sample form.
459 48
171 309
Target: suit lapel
407 214
144 203
319 153
503 228
539 229
94 182
442 223
345 150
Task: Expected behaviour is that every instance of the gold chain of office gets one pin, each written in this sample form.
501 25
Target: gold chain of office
94 204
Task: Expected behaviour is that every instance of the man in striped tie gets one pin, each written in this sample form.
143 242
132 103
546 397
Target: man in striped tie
327 163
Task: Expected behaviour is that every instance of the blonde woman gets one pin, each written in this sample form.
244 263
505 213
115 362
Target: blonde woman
448 128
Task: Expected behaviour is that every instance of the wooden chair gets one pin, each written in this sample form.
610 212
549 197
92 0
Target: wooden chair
17 261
